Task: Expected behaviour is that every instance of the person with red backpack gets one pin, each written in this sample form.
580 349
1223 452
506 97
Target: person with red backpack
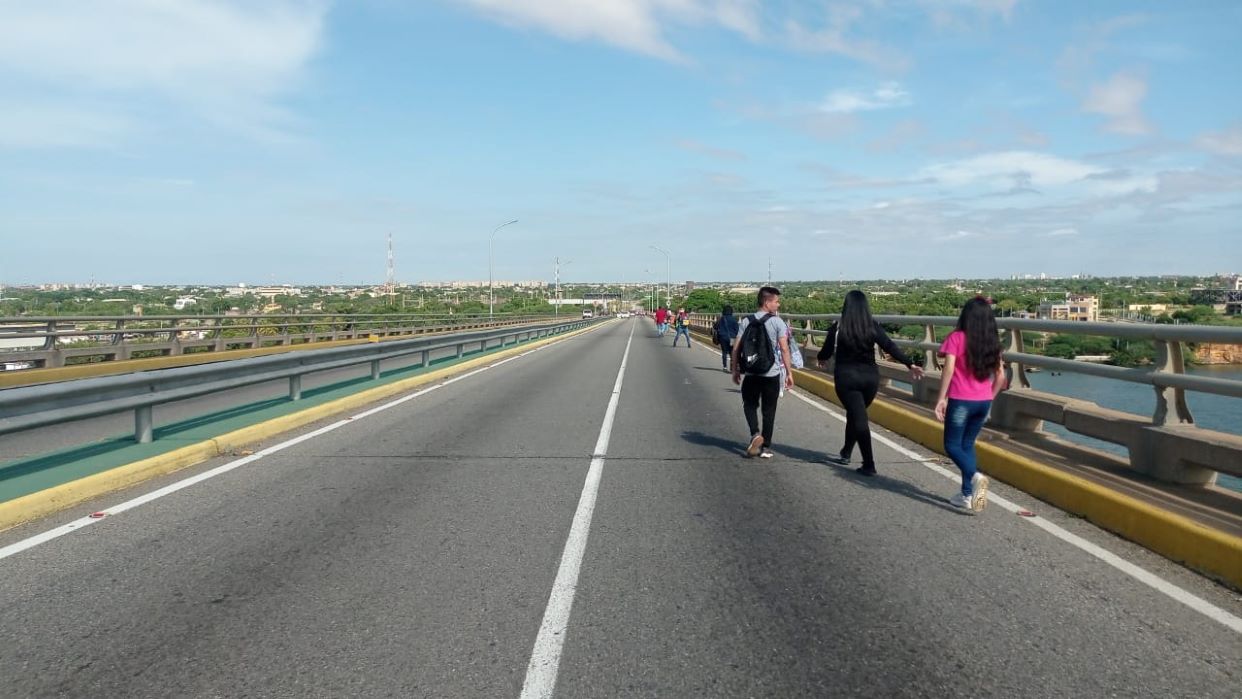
682 324
756 356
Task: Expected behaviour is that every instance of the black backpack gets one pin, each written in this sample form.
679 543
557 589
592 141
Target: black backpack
757 355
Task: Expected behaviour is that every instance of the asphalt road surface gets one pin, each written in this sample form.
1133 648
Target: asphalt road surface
414 552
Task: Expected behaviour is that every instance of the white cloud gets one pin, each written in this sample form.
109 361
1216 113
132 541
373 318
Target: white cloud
1060 232
1120 99
886 96
1000 168
1026 171
27 125
957 235
636 25
693 146
226 61
835 39
1227 142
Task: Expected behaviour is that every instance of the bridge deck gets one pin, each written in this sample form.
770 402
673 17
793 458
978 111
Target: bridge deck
412 552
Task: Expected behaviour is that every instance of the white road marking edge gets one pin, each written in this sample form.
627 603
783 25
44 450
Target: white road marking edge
31 542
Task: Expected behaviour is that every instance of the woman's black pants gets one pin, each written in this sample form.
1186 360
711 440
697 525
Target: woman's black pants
856 386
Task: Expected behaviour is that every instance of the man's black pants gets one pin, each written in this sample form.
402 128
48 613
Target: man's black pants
765 390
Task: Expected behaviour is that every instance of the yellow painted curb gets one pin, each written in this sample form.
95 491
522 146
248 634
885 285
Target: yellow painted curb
51 500
1212 552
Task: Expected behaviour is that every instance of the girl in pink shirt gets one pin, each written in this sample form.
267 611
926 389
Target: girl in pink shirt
971 379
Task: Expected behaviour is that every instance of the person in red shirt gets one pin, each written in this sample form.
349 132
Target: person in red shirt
661 320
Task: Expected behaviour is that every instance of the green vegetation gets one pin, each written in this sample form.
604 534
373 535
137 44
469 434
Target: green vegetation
905 297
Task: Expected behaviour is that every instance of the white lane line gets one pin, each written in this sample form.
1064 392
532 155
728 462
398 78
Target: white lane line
75 525
1142 575
545 659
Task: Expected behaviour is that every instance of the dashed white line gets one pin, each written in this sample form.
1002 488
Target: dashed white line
545 659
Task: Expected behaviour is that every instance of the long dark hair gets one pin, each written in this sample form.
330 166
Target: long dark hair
728 310
856 327
983 350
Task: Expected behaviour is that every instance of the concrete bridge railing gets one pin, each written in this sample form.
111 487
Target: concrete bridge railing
1166 446
50 342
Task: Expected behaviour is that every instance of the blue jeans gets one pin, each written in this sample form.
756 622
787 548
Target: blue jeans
662 328
682 330
963 420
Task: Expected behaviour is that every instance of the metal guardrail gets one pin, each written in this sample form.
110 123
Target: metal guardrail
1168 373
55 340
29 407
1167 376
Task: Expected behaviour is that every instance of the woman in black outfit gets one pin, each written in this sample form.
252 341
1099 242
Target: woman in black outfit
853 340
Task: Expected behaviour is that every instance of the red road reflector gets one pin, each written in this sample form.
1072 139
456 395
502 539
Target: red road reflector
98 515
1025 513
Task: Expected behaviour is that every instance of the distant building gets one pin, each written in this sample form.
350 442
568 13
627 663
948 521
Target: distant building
1148 307
1076 307
184 302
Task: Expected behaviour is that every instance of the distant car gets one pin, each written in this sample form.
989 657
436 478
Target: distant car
587 313
623 314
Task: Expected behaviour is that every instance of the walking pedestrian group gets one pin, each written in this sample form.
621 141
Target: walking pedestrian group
760 353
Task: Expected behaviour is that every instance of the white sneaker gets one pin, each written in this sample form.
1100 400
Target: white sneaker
756 443
979 492
960 501
765 454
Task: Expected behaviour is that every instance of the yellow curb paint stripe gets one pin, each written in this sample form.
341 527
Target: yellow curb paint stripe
1178 538
57 498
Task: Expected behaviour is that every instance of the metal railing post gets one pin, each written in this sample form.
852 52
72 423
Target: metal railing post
295 387
375 370
144 427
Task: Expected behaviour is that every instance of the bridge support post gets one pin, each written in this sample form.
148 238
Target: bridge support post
295 388
144 426
809 341
1170 360
1014 369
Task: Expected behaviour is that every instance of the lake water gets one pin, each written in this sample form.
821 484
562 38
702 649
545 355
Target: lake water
1211 412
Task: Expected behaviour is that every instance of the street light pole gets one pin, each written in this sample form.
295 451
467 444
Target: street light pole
558 285
668 281
491 244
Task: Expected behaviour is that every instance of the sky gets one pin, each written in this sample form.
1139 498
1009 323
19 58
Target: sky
225 141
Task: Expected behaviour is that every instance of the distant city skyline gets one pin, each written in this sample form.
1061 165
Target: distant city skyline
224 141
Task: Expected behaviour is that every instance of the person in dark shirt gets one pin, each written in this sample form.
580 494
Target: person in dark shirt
726 332
852 340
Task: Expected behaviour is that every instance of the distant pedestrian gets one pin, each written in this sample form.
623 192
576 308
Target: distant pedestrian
971 380
682 323
852 340
761 353
725 331
661 321
795 356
